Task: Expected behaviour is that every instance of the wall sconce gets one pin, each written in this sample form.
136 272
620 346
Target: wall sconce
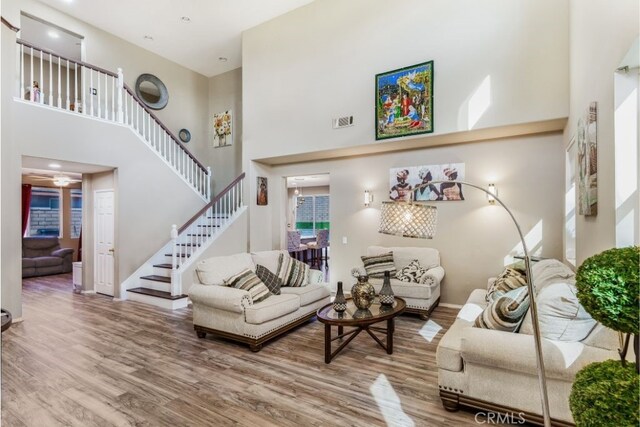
494 192
368 198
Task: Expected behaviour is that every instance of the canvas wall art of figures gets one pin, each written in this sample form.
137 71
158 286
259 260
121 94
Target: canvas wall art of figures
263 195
403 181
404 101
588 161
222 129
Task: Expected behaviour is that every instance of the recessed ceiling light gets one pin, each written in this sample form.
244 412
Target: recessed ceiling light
223 59
185 19
147 37
53 34
54 166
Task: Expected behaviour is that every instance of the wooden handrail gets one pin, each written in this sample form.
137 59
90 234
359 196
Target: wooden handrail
57 55
9 25
128 89
212 202
157 120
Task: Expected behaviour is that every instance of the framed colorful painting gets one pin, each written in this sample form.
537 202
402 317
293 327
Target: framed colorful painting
404 101
263 195
222 129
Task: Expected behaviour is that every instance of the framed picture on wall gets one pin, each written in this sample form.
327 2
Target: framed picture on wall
263 195
586 139
404 101
402 182
222 129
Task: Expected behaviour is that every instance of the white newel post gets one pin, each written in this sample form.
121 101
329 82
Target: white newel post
175 277
208 183
120 89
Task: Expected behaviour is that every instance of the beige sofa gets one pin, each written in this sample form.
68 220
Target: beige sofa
229 312
491 370
421 299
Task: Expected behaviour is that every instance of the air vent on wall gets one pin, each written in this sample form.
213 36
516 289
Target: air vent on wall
343 122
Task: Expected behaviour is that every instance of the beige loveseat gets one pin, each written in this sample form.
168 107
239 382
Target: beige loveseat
421 298
491 370
230 313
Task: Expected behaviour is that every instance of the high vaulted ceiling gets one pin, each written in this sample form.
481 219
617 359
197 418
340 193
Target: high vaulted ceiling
213 29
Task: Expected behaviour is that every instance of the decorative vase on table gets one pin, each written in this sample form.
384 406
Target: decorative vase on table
386 293
339 302
363 293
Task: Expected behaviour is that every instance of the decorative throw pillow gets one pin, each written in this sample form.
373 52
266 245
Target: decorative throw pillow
411 273
248 281
508 280
292 272
506 312
560 314
270 279
376 265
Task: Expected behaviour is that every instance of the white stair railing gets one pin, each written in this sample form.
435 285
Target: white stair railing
75 86
193 236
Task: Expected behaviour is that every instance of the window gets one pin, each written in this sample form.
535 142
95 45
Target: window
76 212
312 214
44 213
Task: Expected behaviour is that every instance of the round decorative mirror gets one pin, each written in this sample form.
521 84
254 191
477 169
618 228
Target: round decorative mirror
152 91
184 135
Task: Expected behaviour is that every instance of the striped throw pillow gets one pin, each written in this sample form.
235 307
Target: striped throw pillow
248 281
292 272
376 265
508 280
270 279
411 273
506 312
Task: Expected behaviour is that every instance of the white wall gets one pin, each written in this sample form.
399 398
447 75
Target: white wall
473 237
318 62
601 33
225 93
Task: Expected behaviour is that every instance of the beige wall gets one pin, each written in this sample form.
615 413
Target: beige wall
474 238
225 93
601 33
319 61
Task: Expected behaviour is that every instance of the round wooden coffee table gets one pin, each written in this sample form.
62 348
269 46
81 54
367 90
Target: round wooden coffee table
361 320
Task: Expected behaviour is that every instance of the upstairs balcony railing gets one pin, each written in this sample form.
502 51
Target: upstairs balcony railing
50 79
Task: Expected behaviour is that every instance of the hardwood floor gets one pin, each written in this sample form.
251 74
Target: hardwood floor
84 360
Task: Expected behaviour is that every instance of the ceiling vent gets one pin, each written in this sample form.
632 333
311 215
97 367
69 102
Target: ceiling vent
343 122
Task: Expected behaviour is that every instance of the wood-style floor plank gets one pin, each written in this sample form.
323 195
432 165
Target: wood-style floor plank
89 361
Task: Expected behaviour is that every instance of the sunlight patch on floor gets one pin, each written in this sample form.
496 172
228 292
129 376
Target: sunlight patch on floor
430 330
470 312
389 403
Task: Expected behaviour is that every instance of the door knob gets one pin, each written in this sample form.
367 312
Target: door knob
111 250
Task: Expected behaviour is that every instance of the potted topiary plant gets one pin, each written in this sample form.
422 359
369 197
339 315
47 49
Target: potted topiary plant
606 393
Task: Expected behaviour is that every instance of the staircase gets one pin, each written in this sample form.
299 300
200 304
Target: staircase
94 92
100 94
159 280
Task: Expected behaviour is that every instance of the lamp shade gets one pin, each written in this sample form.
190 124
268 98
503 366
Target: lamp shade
408 220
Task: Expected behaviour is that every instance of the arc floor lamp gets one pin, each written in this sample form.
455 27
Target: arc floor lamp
419 220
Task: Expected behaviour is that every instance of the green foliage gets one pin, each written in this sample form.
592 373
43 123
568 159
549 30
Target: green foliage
606 394
609 289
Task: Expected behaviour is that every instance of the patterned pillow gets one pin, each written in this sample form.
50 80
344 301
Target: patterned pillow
376 265
508 280
506 312
272 281
292 272
248 281
411 273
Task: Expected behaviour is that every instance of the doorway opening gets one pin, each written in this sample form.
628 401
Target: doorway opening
58 225
308 219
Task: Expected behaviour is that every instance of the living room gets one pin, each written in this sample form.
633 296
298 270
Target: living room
503 95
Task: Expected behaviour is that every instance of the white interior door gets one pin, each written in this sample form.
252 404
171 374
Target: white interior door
104 241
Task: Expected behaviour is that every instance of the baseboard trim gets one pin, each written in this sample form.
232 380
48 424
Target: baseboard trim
17 320
83 292
447 305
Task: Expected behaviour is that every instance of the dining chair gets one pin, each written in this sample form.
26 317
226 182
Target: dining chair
294 246
319 247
